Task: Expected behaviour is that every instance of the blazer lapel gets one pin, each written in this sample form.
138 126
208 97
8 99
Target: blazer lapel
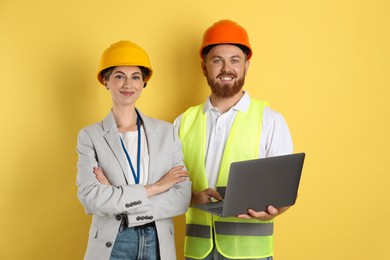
113 141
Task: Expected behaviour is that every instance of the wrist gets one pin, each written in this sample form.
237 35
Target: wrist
152 190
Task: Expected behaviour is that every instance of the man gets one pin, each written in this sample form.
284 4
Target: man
229 126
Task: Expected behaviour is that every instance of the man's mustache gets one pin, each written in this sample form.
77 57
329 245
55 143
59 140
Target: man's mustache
229 74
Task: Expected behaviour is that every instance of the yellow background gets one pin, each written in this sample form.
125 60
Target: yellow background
323 64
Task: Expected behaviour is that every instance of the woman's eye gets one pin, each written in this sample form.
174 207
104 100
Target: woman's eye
119 77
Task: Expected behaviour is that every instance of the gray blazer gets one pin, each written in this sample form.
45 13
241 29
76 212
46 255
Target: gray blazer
99 145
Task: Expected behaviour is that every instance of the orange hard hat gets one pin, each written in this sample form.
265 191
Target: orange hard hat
226 32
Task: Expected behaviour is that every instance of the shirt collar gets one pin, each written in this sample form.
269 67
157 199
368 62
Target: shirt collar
242 105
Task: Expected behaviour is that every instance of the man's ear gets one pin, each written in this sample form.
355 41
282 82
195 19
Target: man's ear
204 69
247 63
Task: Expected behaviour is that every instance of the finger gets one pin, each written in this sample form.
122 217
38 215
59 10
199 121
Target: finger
272 210
178 171
184 175
261 215
101 180
104 181
218 196
257 213
202 197
100 175
97 170
177 168
244 216
213 193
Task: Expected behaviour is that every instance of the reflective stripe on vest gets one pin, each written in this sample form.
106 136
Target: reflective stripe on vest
234 237
231 229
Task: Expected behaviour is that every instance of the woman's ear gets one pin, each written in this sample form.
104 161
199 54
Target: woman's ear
105 84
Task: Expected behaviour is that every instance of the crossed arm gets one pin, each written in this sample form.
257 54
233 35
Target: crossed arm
175 175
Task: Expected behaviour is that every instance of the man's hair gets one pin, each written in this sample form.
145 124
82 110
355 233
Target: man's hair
207 49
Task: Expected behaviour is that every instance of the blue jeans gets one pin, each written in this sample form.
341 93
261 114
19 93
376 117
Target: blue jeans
215 255
136 243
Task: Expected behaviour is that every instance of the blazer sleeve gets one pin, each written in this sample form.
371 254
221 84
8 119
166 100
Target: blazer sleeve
97 198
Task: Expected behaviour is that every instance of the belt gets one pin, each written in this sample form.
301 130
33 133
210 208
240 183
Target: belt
151 224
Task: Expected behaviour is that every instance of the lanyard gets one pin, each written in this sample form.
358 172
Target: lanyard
136 176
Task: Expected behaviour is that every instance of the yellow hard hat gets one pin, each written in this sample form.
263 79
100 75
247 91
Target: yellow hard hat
226 32
124 53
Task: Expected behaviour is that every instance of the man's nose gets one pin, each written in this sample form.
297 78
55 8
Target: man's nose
225 67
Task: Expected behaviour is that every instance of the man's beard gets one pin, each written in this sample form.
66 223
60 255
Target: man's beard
222 90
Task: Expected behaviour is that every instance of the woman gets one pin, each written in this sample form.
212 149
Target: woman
131 175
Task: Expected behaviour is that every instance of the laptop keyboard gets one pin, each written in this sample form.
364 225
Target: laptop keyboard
217 210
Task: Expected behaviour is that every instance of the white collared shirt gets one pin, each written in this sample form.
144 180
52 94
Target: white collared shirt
130 139
275 138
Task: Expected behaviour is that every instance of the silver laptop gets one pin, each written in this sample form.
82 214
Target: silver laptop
256 184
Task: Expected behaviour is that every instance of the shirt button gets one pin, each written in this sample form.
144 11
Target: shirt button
118 217
108 244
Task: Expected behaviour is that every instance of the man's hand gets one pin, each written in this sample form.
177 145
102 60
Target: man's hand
269 214
204 196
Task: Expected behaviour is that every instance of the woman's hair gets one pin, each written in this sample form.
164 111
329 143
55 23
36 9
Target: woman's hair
106 73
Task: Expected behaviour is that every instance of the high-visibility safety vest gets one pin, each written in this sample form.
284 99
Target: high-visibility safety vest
234 237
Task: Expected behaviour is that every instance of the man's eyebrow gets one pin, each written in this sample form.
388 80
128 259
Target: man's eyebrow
216 56
236 56
231 57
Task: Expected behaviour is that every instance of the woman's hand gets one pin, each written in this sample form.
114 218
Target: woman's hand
172 177
100 176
